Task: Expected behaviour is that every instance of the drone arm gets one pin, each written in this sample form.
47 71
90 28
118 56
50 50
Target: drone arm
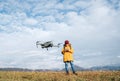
58 45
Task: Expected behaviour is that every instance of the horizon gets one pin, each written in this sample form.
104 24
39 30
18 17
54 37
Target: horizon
77 68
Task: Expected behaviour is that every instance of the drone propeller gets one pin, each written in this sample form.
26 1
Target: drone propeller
37 43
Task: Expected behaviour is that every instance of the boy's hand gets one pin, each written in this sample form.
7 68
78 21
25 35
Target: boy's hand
66 50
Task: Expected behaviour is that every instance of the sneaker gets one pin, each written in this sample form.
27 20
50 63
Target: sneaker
67 73
75 73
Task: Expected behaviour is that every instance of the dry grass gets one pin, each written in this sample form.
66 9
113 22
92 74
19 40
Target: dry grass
60 76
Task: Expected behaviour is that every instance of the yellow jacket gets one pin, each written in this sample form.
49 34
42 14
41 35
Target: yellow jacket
67 52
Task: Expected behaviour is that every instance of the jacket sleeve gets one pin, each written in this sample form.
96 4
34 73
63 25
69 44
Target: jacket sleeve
62 51
71 51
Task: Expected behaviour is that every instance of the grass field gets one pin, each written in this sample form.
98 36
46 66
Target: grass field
60 76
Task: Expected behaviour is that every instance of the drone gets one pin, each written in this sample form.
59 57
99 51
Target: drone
47 44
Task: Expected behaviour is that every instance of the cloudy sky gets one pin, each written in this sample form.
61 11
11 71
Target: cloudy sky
92 27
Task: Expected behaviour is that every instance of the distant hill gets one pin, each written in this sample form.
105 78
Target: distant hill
14 69
108 67
77 68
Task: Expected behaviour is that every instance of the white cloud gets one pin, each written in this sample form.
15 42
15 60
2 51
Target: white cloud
92 54
30 22
118 56
5 19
